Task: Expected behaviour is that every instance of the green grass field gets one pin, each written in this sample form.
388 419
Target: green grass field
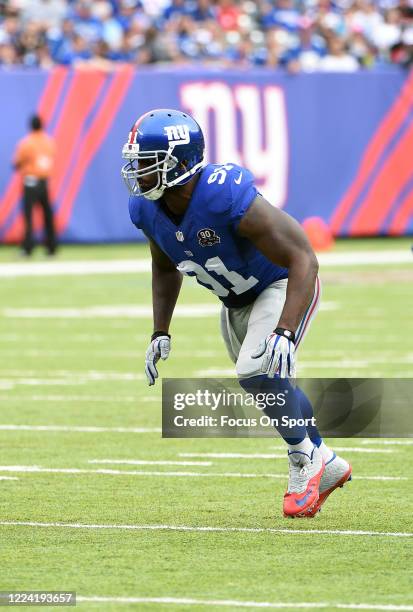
69 365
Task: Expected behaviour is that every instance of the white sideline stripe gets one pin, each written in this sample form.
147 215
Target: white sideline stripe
147 462
234 603
9 478
38 469
276 456
80 428
132 266
344 532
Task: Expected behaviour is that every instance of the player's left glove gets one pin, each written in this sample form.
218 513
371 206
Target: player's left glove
277 352
159 348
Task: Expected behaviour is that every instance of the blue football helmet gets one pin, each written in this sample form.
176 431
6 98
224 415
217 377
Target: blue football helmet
165 145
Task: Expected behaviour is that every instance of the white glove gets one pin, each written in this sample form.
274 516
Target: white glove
277 354
158 349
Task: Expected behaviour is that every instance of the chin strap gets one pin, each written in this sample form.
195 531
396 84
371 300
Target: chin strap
155 194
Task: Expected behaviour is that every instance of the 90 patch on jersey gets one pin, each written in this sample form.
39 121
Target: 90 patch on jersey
208 237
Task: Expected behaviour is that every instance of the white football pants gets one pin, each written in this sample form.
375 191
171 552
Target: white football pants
244 328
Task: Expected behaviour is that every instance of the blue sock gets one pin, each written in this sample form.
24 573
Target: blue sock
307 413
263 384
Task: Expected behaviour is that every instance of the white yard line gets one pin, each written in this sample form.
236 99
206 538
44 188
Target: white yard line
73 380
64 351
147 462
98 429
236 603
21 469
388 442
125 311
68 398
350 449
302 365
215 373
343 532
313 364
42 382
108 312
360 258
356 477
133 354
64 268
235 455
94 375
9 478
80 429
142 266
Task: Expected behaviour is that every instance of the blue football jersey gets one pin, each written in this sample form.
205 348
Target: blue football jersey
204 242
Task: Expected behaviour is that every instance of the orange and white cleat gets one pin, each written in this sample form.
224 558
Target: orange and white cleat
337 472
303 484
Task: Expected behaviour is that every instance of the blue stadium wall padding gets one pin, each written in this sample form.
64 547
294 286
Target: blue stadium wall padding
334 146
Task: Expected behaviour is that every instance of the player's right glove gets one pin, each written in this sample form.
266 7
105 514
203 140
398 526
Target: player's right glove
158 349
277 353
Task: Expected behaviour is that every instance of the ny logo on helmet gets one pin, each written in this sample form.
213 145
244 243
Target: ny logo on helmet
177 134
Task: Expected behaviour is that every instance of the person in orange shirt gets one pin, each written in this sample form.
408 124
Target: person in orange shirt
34 159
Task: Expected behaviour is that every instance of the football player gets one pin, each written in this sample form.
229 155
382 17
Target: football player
211 222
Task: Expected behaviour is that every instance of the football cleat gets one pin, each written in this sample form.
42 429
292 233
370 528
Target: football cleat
337 472
303 484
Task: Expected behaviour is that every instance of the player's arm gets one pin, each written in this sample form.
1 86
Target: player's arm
282 240
166 285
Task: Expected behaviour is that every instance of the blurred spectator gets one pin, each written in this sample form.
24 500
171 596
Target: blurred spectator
297 35
228 15
8 56
45 12
202 10
337 58
309 48
86 25
282 14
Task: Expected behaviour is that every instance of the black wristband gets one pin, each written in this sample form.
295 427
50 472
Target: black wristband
156 334
286 333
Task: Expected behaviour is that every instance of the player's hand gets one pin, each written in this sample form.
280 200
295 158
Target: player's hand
277 353
159 348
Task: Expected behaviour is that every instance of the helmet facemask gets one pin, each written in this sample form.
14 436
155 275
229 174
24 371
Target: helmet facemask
157 164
